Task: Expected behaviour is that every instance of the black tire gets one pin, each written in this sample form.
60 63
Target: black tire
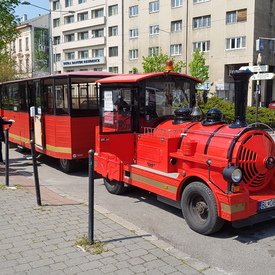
114 187
199 209
67 165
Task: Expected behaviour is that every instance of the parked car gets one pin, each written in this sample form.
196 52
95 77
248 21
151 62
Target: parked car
272 105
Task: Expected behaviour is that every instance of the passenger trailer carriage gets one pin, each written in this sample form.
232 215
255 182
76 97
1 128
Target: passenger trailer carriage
59 112
213 171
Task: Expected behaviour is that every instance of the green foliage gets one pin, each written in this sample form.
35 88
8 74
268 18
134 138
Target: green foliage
197 66
8 23
157 62
7 69
265 115
8 33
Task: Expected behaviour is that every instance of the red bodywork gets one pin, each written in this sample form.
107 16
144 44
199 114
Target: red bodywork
166 158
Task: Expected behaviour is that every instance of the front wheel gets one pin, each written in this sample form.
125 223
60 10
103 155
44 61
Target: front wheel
67 165
114 186
199 209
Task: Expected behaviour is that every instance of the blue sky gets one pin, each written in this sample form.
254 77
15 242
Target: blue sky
32 11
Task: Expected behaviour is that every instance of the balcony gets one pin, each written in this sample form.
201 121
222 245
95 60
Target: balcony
84 43
83 24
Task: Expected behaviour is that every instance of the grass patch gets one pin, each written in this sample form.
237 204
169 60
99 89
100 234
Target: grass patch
2 187
95 248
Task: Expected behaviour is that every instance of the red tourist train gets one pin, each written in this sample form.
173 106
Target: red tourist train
59 112
211 170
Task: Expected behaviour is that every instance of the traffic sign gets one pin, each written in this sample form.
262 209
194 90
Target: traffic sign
255 69
263 76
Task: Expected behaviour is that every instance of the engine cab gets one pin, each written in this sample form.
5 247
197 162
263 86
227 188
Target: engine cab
152 136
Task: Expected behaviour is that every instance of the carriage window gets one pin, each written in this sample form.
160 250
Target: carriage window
117 110
84 99
23 95
7 100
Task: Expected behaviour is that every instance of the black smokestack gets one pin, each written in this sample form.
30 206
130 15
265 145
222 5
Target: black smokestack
241 90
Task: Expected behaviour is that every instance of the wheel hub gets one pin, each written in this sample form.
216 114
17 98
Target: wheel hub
201 207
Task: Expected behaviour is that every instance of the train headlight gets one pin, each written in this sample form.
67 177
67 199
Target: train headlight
232 174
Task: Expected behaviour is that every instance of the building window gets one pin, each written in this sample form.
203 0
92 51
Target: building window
98 13
203 46
153 51
202 22
56 22
236 16
153 29
70 56
98 33
56 5
176 3
113 10
113 51
133 33
176 49
133 54
57 57
133 11
20 45
20 65
69 37
83 54
236 43
83 35
82 16
68 3
27 44
98 52
200 1
14 46
176 26
69 19
154 6
113 69
56 40
82 1
98 69
113 31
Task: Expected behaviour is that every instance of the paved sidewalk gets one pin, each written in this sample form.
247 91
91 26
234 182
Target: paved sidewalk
43 239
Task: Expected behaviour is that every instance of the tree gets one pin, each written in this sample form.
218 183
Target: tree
157 61
8 23
8 33
197 66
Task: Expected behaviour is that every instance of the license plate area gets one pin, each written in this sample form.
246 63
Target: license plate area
266 204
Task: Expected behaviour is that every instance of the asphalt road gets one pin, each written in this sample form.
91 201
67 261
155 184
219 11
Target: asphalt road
249 250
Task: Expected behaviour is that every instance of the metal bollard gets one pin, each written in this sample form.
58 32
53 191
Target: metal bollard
91 198
35 172
7 156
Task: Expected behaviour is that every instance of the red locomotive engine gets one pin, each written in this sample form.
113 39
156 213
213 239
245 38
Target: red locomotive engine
212 170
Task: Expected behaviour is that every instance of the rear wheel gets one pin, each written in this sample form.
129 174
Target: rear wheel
114 186
199 209
67 165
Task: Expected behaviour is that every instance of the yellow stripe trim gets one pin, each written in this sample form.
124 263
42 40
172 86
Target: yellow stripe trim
65 150
233 208
156 183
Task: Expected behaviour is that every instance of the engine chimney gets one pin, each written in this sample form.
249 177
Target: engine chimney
241 78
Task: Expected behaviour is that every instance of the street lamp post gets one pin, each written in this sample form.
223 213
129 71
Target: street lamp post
169 47
50 31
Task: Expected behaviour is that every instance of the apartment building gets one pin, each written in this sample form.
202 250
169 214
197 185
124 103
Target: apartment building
114 35
225 30
87 35
31 48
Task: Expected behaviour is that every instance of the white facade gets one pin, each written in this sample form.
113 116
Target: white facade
87 35
114 35
31 48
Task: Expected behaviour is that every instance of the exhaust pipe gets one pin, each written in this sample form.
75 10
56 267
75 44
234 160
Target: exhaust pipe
241 79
